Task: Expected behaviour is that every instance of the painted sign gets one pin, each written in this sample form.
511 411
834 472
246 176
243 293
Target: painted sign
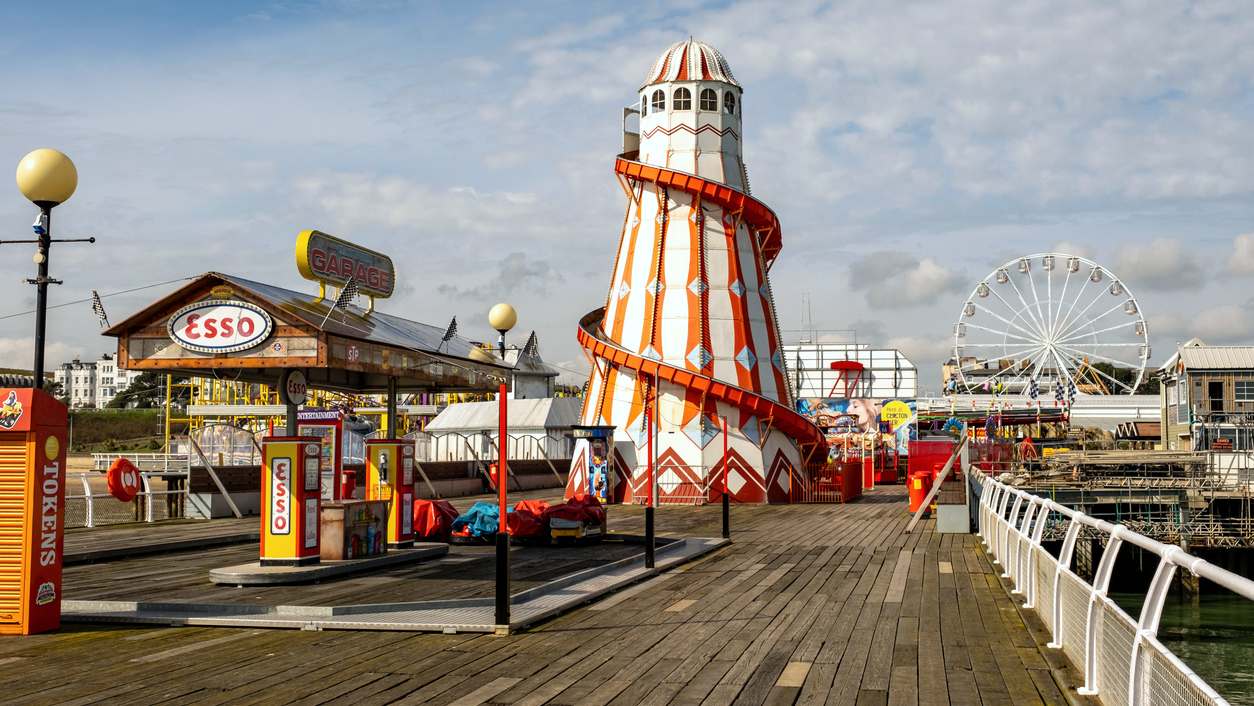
10 411
219 326
843 419
281 496
329 260
296 387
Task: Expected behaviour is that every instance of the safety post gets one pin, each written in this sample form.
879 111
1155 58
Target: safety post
726 498
502 532
648 508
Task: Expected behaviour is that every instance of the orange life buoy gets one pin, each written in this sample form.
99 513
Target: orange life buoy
123 479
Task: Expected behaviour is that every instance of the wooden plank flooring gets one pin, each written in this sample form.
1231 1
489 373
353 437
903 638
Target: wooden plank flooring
815 604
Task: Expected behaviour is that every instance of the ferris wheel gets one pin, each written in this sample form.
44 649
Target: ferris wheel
1054 318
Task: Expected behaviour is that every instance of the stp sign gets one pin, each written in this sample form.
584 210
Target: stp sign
220 326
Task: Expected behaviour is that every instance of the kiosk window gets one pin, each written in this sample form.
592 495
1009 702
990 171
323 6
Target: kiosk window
659 101
709 100
729 103
683 99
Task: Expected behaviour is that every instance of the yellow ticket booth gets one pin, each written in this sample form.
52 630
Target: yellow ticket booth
390 477
291 501
32 510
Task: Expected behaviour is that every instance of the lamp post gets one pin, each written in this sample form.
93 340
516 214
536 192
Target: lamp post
502 318
48 178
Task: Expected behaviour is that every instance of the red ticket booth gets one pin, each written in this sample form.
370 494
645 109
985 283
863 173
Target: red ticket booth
291 501
390 477
32 510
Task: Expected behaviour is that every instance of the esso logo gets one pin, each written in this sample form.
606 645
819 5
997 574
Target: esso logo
297 388
313 450
220 327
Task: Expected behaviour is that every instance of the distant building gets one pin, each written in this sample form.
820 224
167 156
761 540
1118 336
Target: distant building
821 370
93 384
1207 398
533 378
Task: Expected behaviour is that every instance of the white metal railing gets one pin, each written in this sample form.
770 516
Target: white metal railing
101 508
456 446
145 462
1120 658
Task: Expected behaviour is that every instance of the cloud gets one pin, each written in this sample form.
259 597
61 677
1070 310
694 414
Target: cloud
19 353
1227 324
895 279
1165 264
926 353
1087 252
1241 262
515 275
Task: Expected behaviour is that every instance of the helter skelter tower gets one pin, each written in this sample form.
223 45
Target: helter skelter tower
689 316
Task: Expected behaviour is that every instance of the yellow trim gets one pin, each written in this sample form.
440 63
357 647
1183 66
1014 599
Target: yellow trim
302 263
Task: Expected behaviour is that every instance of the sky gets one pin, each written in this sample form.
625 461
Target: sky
908 148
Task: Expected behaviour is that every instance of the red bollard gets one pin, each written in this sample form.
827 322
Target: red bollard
350 485
920 486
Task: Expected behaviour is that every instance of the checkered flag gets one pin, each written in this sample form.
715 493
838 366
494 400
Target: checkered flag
451 330
1070 392
1034 390
1058 391
97 307
347 294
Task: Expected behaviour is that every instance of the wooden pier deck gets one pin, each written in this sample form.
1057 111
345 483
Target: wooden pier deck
812 604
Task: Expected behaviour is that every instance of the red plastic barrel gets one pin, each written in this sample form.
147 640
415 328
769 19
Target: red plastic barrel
920 485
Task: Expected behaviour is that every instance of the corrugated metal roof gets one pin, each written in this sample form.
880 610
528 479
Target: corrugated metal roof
544 413
1218 357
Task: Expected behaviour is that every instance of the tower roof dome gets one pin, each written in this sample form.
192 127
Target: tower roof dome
690 60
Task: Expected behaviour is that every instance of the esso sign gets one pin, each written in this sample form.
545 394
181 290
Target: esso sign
296 387
220 327
123 480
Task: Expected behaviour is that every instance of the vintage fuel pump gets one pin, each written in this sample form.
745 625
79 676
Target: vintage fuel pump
390 476
291 501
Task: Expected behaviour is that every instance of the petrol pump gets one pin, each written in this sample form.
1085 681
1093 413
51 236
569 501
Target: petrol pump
291 500
32 510
390 477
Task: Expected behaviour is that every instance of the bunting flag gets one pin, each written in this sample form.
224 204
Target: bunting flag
97 307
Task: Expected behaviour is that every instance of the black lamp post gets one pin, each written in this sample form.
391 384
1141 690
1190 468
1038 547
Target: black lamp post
47 178
502 318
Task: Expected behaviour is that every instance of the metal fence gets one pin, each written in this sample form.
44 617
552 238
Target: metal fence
1119 658
94 507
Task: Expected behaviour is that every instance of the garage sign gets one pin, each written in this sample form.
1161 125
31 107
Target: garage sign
329 260
220 326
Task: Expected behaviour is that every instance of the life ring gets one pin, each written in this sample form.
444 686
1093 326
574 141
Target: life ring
123 478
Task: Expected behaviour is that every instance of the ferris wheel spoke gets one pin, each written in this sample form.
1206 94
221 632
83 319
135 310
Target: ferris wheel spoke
1088 366
1105 330
1060 317
1034 336
1062 298
1098 356
1009 307
1078 320
1076 327
999 345
1026 307
995 332
1037 300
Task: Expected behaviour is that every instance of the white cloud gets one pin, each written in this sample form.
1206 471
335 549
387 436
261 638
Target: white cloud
925 353
1165 264
20 352
1241 262
895 279
1227 324
1087 252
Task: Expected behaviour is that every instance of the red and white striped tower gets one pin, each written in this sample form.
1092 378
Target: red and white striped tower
689 313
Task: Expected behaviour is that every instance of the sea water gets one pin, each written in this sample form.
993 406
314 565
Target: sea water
1214 637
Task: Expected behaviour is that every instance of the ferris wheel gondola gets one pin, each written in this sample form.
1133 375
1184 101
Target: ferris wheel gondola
1058 318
